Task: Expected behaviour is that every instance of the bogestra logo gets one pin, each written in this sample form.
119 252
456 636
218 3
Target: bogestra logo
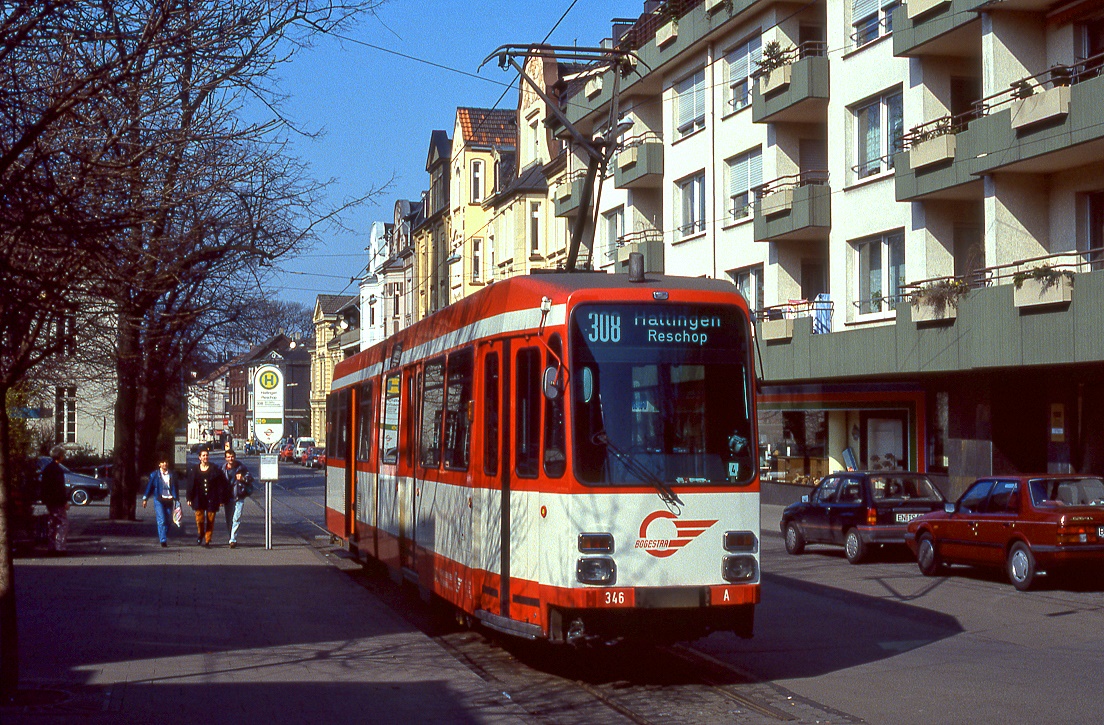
686 530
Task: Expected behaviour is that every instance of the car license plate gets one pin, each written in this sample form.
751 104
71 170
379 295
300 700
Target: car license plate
905 518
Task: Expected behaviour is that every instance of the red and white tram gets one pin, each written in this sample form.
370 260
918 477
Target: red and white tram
563 456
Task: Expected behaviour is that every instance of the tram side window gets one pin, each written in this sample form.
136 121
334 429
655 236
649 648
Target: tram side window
528 412
458 401
490 415
432 413
364 423
389 426
338 438
555 437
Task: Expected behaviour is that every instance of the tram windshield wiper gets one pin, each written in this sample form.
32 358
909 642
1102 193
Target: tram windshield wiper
666 493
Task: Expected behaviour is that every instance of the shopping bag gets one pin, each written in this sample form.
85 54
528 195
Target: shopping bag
178 515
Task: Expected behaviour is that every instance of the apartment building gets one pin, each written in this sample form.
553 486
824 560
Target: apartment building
432 234
323 359
839 160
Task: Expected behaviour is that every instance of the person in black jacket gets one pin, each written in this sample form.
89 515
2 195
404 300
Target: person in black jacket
162 487
207 490
56 500
240 481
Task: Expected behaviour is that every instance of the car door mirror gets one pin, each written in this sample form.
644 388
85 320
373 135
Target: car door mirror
949 507
552 384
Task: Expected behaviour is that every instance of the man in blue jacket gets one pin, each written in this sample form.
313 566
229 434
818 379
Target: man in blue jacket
241 485
164 490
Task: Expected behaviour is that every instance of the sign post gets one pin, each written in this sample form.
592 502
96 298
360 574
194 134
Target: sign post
268 416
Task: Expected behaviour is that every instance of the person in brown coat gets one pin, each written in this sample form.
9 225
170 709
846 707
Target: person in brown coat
207 490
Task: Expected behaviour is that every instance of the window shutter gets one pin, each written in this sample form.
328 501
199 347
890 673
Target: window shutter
862 8
738 65
737 176
685 101
755 169
755 52
699 95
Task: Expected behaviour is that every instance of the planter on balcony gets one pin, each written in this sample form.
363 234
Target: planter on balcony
925 314
916 8
775 80
564 192
932 151
1042 292
593 87
777 202
777 329
628 157
713 5
666 33
1050 105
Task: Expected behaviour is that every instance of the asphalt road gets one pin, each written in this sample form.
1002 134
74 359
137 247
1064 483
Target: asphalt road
880 642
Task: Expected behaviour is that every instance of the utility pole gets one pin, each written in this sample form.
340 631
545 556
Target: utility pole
600 148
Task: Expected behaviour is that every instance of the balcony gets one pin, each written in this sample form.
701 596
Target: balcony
777 321
1044 123
795 91
568 193
648 242
936 27
795 207
938 161
639 163
991 331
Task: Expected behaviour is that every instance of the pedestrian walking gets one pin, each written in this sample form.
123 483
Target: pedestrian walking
240 482
163 489
207 490
56 500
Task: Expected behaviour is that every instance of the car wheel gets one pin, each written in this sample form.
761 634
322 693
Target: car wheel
854 547
927 558
79 496
795 542
1021 566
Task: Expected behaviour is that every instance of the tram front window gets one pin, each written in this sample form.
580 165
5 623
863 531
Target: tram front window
661 393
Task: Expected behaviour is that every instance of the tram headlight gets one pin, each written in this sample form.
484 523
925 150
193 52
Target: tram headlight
741 568
596 543
596 570
741 541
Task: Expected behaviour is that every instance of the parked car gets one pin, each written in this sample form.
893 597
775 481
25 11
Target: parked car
286 454
1029 525
80 488
316 458
859 509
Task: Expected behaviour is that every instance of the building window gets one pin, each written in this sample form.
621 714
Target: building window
881 272
878 132
534 140
534 227
491 257
477 259
613 223
65 415
871 20
477 181
690 104
691 203
745 172
739 64
749 281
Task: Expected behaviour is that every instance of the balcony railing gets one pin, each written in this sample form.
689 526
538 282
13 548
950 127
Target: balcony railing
656 15
820 309
808 49
641 235
1053 77
814 177
943 126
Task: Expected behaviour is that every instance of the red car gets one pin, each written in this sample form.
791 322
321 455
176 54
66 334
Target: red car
1029 525
286 454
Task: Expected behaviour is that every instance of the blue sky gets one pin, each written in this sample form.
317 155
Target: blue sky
376 110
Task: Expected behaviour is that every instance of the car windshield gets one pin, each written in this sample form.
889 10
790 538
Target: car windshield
1067 491
661 394
903 487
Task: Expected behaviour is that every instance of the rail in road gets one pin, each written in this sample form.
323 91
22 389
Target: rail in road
833 643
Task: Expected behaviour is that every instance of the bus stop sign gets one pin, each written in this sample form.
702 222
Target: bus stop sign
268 404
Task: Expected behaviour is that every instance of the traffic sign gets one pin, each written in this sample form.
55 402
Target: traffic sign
268 404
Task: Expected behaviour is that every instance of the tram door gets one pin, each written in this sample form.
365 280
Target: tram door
490 476
407 482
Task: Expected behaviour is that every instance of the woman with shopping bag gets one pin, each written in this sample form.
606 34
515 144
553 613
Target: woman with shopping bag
163 489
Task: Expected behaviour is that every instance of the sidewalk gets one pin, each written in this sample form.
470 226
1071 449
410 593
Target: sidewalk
126 631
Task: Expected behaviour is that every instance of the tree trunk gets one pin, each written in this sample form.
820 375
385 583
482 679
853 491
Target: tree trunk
9 628
124 491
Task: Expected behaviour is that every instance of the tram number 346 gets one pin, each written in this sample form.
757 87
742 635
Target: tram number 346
604 327
615 597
